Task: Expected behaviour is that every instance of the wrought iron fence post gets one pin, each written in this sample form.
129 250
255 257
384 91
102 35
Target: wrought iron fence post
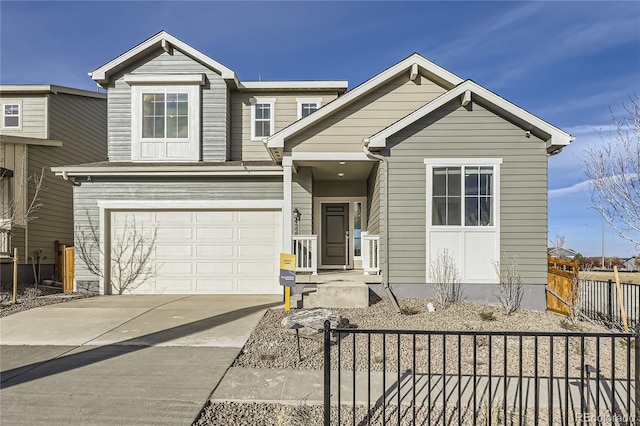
637 378
327 373
610 301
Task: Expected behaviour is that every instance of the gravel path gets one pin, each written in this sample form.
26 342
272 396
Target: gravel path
271 346
29 297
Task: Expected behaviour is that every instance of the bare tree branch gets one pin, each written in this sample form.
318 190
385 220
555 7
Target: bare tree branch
131 250
614 170
16 209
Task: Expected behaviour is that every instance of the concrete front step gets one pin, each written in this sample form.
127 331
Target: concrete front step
342 294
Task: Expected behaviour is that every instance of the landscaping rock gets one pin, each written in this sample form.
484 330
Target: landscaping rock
310 322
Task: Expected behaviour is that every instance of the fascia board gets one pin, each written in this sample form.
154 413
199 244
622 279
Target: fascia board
277 140
558 137
167 171
100 74
340 85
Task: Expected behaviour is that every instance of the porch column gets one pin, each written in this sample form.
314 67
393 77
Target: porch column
287 164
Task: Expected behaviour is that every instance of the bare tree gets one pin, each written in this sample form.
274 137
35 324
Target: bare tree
18 207
614 170
131 250
445 277
510 289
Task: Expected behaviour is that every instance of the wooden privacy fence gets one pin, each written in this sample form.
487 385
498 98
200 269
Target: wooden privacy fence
562 280
65 266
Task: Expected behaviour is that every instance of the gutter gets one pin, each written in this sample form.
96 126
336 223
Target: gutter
385 277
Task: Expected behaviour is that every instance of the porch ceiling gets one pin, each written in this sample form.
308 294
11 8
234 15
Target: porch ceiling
331 170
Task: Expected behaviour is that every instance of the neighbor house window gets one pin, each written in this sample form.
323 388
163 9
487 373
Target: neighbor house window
262 118
165 121
307 105
11 115
462 196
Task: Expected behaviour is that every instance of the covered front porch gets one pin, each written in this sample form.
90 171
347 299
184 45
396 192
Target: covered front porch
332 202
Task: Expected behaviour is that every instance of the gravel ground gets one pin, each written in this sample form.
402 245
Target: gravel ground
270 346
30 297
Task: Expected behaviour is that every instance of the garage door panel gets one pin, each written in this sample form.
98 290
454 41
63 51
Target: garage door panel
215 251
214 233
226 217
257 251
253 233
172 286
167 251
214 268
163 217
169 268
174 233
210 251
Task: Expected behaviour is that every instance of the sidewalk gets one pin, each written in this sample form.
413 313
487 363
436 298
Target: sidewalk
306 386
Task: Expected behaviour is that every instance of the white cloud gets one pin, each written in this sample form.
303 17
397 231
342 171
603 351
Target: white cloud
583 186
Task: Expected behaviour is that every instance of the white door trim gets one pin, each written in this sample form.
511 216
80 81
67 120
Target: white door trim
317 225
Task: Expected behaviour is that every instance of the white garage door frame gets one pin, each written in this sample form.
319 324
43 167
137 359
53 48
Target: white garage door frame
107 206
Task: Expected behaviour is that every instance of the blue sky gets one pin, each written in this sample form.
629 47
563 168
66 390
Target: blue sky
567 62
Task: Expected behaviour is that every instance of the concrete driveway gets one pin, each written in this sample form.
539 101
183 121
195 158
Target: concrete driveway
121 359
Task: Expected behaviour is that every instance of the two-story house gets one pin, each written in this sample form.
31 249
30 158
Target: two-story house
378 179
43 126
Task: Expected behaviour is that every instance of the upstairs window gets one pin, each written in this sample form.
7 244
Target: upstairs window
11 116
165 120
165 115
262 118
463 196
307 106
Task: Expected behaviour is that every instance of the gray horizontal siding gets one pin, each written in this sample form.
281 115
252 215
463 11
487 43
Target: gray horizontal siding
88 194
213 106
454 132
302 198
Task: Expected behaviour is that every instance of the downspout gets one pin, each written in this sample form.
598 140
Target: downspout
385 277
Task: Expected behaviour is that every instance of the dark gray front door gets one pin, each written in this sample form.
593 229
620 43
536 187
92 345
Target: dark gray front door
335 231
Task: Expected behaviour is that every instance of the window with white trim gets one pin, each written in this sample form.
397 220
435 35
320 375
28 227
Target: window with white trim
165 122
262 118
307 105
462 196
11 115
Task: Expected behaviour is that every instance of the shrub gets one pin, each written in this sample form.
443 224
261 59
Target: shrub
510 290
445 278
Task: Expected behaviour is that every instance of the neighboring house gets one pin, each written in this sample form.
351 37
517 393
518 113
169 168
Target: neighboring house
381 178
631 264
562 253
44 126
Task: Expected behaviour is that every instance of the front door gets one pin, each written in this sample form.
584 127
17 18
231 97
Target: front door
335 234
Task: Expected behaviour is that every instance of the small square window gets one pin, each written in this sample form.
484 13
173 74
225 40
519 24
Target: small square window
307 106
11 115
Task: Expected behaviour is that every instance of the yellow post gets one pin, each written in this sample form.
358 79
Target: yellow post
15 275
287 298
621 300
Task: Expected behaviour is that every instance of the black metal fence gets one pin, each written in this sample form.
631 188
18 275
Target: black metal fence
480 377
599 301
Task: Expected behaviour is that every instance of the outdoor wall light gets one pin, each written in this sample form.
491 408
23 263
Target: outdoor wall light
296 221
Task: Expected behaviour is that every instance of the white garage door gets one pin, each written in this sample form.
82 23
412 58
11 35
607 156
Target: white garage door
208 251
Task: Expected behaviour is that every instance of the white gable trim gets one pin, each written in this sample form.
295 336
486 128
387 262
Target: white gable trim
101 75
558 138
277 140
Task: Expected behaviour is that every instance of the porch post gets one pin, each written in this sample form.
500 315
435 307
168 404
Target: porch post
287 212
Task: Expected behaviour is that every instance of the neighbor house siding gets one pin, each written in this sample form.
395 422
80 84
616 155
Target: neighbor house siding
88 194
81 124
34 115
213 104
346 128
286 112
452 132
